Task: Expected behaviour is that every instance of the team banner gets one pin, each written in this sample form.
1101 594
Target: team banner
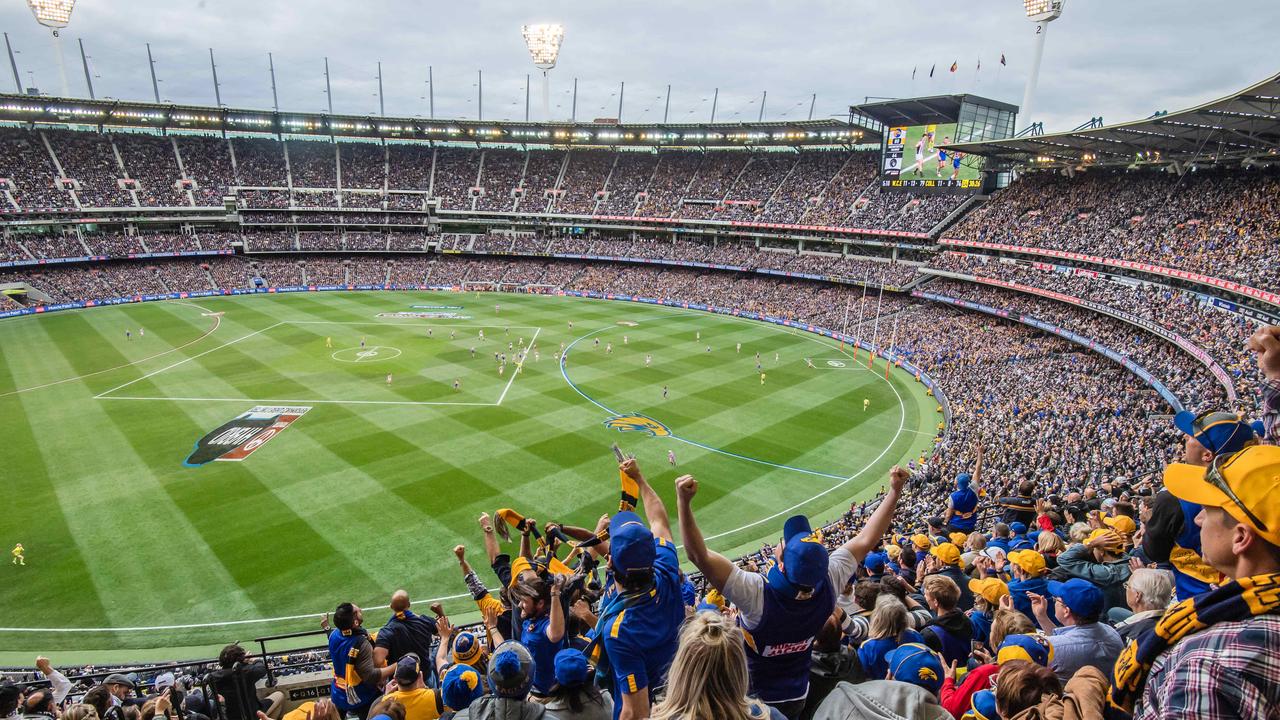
239 438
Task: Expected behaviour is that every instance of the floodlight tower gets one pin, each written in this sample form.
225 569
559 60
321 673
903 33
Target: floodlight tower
543 41
1040 12
55 15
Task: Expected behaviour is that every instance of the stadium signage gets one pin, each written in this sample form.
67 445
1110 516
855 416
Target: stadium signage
239 438
424 315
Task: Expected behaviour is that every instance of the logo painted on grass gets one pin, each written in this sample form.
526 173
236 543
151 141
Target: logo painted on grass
436 307
439 315
238 439
635 422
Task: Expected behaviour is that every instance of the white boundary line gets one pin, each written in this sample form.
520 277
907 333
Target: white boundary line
532 342
415 324
217 322
261 401
101 395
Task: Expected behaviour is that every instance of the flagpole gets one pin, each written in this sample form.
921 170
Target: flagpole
875 333
862 308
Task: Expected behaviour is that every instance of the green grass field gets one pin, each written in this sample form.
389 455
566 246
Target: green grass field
371 488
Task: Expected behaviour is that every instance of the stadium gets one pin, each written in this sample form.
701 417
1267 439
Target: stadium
264 368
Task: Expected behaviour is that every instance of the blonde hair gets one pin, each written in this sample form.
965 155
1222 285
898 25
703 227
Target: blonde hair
1079 532
1006 623
976 541
889 619
80 711
708 678
1049 543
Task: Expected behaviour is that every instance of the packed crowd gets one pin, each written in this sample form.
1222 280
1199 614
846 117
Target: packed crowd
1220 332
814 187
1066 552
1221 223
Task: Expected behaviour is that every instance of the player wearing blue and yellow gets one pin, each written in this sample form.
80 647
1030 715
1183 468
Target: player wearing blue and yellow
942 158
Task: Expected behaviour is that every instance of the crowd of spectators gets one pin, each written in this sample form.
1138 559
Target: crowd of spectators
89 158
1023 571
1187 314
820 187
1221 223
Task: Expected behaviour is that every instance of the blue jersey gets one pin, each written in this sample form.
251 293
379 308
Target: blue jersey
534 636
348 690
779 647
1018 590
640 642
872 653
964 504
942 156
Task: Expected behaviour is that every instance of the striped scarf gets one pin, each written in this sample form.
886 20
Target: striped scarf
1238 600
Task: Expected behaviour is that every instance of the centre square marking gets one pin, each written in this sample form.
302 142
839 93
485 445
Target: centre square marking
494 337
373 353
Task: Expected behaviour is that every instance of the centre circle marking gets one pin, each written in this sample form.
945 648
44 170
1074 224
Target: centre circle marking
373 353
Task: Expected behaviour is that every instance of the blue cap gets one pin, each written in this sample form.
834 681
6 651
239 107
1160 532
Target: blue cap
571 668
984 706
874 562
804 558
1082 597
1032 648
963 480
630 543
1018 528
1219 432
460 686
916 664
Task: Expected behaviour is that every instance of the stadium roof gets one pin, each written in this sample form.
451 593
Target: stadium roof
119 113
925 110
1237 127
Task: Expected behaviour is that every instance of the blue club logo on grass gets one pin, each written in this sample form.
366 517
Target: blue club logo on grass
635 422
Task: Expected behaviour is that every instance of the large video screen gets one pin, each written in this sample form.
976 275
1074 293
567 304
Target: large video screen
913 160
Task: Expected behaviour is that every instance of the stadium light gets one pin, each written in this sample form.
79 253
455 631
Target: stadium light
55 15
1040 12
543 41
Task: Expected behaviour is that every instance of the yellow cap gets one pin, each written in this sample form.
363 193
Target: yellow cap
1122 524
921 541
989 589
1116 543
946 552
1031 561
959 538
1252 475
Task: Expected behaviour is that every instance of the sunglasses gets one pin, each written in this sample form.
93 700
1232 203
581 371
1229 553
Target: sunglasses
1214 477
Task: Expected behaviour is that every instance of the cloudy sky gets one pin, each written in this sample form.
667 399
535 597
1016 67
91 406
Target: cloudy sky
1121 59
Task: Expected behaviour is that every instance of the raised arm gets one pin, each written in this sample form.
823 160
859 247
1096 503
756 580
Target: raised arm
490 540
555 628
654 510
714 566
878 524
976 482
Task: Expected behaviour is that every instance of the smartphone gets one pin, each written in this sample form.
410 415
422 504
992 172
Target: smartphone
617 452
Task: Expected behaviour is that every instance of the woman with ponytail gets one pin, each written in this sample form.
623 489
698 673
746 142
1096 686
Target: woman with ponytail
708 678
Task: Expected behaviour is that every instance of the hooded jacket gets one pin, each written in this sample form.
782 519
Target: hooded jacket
498 708
1084 697
880 700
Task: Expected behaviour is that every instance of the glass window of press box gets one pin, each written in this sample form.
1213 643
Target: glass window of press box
982 122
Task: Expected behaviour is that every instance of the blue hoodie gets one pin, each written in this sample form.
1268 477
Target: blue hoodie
1018 590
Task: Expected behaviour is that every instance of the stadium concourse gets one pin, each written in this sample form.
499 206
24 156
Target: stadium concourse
1095 531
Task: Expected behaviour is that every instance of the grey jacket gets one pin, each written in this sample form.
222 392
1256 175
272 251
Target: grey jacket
496 708
881 700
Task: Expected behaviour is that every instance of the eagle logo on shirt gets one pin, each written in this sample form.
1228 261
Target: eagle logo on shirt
635 422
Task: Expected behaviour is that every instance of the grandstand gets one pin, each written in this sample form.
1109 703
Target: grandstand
1044 332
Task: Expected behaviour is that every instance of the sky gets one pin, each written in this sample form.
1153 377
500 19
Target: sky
1118 59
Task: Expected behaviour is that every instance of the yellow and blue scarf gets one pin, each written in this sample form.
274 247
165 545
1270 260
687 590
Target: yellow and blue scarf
1238 600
